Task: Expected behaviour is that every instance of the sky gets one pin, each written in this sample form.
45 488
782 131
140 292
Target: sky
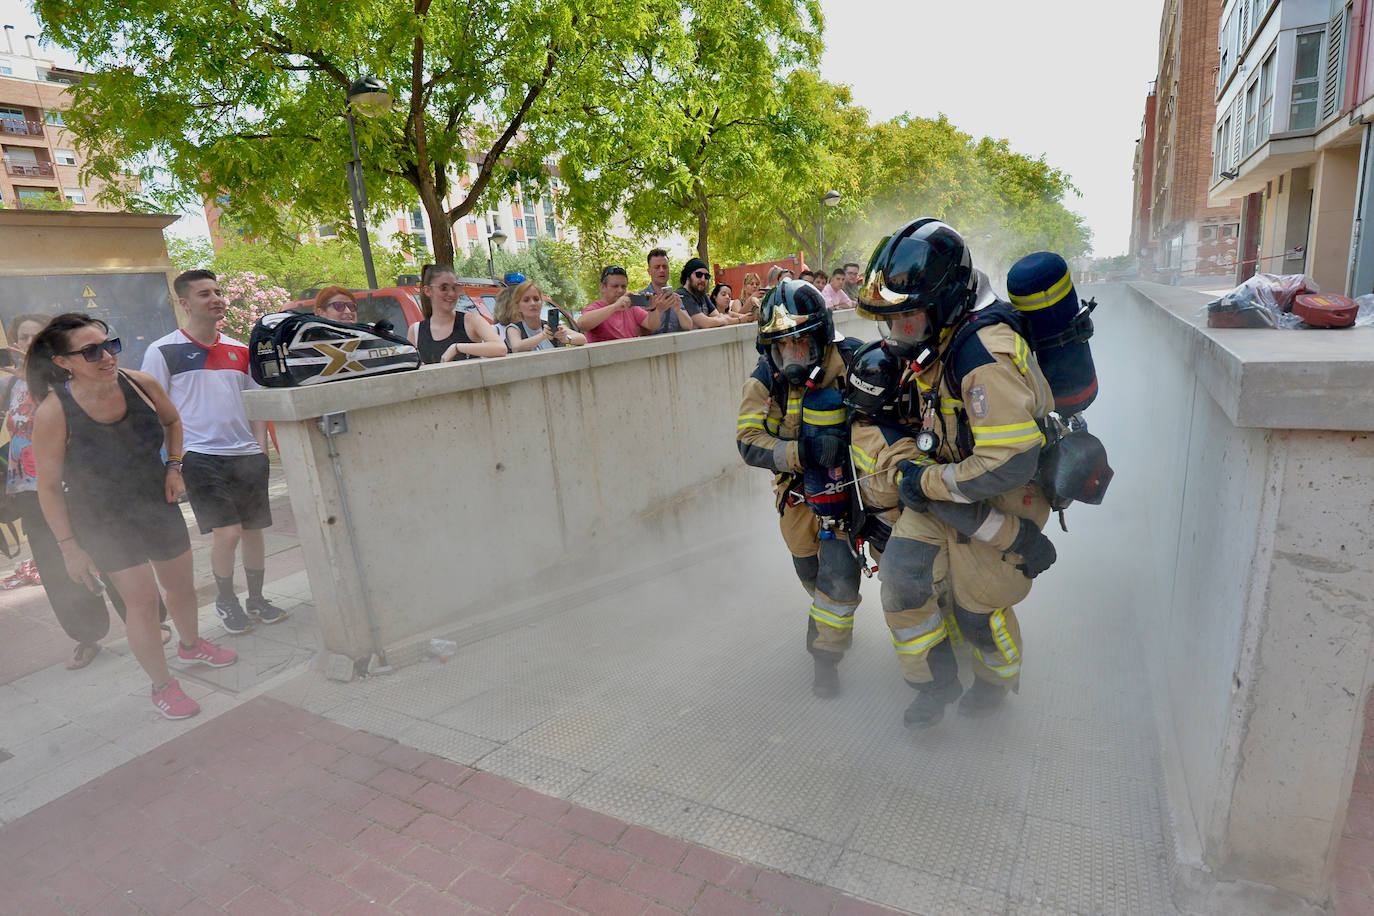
1065 79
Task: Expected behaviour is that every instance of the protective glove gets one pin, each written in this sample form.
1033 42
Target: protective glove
821 451
1036 551
912 496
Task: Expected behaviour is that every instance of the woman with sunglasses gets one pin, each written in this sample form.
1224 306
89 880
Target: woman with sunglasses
337 304
107 495
83 615
447 334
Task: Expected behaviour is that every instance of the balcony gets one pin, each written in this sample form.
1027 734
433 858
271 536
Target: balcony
29 169
21 128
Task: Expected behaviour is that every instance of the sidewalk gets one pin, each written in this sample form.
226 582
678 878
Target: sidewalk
31 638
268 809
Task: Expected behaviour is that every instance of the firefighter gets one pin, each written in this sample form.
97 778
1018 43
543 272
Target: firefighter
981 397
788 425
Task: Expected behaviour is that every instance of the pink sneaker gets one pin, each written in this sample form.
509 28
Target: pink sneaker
207 653
174 704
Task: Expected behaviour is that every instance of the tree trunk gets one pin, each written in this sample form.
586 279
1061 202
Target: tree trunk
440 229
703 227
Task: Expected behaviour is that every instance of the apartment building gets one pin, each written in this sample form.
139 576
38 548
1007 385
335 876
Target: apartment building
1177 231
40 156
1292 96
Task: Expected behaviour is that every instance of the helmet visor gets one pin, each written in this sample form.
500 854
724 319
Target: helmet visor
795 357
906 334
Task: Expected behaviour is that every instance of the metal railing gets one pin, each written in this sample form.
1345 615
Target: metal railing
21 128
35 169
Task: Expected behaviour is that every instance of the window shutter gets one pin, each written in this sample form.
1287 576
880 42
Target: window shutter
1333 81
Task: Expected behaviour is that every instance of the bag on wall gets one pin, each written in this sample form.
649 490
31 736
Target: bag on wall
288 349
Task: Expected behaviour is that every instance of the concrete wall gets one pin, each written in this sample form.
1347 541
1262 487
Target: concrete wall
1255 617
555 464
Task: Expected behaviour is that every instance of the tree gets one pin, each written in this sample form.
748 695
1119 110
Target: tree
294 266
246 99
696 114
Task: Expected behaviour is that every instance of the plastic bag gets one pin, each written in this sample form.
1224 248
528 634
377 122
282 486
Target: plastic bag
1365 318
442 649
1263 301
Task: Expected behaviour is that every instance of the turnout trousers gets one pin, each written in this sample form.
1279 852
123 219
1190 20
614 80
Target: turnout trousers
829 572
944 593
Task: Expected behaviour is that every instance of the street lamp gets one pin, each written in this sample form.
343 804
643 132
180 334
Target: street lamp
499 238
369 96
830 199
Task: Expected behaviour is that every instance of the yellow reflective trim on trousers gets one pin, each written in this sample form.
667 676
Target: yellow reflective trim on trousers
998 622
1034 302
1010 669
823 417
920 644
861 459
832 620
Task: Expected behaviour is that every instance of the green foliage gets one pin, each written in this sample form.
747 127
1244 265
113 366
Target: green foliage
695 114
50 200
292 266
553 264
246 99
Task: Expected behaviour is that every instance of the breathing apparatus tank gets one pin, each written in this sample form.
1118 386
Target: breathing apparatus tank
826 486
1057 328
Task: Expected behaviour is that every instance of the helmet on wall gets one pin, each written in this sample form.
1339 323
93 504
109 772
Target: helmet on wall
922 269
872 384
795 327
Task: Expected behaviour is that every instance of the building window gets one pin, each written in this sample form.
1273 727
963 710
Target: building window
328 231
1251 110
1302 113
1221 161
66 157
11 114
1266 110
75 195
417 220
53 116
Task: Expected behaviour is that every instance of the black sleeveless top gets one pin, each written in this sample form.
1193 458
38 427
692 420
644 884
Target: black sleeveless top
112 470
431 350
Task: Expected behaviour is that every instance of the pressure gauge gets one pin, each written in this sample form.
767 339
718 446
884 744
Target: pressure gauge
927 442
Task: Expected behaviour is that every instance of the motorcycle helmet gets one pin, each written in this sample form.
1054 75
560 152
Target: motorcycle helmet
795 328
872 384
919 281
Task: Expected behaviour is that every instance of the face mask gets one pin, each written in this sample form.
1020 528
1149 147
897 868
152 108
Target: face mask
795 363
906 335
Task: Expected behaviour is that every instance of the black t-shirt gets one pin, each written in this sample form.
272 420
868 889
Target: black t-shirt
693 305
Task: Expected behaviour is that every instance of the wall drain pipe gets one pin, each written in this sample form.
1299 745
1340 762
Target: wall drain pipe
333 424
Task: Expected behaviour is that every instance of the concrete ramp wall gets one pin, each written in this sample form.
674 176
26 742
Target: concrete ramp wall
474 485
1245 457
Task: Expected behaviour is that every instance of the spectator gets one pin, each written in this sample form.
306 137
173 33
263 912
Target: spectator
226 466
694 278
750 295
852 281
107 495
522 316
834 294
615 317
658 284
336 303
776 275
722 301
807 276
445 334
83 615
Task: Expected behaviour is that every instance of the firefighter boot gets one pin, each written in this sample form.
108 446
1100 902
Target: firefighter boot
929 705
826 682
982 699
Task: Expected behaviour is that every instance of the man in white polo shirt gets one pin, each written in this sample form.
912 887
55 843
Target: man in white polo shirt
225 461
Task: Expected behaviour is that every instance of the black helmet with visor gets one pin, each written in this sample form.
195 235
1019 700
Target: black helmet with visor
873 381
919 281
795 328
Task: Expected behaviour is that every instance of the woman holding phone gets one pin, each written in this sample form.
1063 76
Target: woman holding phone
109 497
525 328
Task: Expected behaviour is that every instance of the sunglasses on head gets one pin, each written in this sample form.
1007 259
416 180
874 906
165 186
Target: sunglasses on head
612 272
91 353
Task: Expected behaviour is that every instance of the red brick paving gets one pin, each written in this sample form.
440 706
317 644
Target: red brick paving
191 828
1353 878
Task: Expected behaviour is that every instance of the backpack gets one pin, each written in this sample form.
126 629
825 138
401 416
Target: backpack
289 349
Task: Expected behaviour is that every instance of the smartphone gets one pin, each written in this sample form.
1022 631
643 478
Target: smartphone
639 299
554 317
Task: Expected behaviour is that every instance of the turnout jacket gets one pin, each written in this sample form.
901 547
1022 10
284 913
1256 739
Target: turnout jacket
768 425
990 435
877 447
